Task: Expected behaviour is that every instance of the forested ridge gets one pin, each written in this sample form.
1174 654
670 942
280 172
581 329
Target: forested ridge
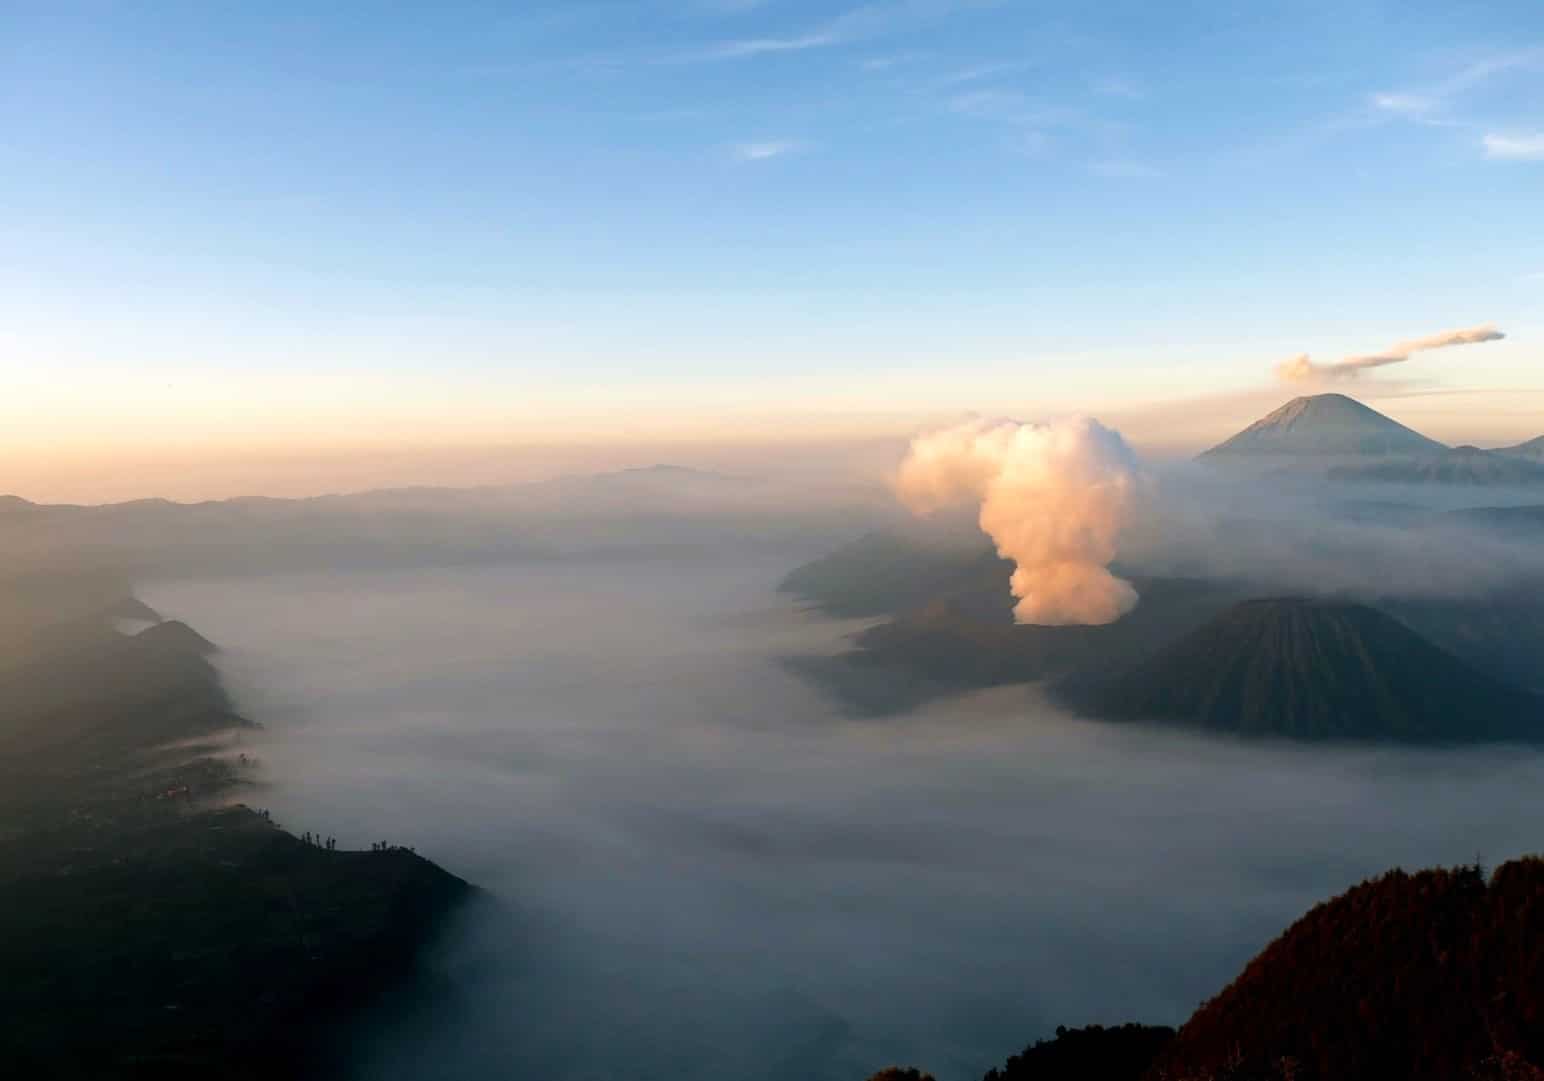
1436 975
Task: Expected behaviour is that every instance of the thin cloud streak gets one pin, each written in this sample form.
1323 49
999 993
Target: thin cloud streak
1125 169
1514 147
766 149
736 50
1114 86
870 20
1301 369
1438 94
1430 106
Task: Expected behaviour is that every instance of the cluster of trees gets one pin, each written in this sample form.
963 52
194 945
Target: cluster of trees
1433 976
1095 1053
1118 1053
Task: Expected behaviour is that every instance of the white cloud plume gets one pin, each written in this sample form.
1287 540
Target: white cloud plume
1053 497
1302 369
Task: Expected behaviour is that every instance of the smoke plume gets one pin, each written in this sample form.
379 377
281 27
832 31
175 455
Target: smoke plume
1054 498
1301 369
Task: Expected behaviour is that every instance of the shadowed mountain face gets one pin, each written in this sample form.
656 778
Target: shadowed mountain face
954 630
149 927
1324 425
177 636
1423 977
1316 670
882 572
951 625
1431 976
1533 449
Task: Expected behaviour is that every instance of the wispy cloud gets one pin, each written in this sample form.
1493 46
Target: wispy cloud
1125 169
1116 86
766 149
729 7
1014 107
1432 105
885 63
736 50
1514 147
1404 104
869 20
986 102
978 72
1301 369
1438 94
1031 144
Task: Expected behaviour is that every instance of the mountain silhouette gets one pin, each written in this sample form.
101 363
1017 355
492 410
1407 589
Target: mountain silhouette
1421 977
1314 669
1533 449
1324 425
174 635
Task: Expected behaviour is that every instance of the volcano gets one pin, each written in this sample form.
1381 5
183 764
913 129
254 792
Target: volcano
1316 670
1324 425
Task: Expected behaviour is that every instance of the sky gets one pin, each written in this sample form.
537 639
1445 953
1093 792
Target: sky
246 233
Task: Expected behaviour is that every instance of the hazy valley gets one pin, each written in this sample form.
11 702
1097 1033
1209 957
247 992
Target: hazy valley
719 873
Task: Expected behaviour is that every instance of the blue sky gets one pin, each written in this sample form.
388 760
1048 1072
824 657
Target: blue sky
494 211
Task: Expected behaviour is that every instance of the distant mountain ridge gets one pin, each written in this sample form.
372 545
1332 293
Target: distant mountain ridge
1459 465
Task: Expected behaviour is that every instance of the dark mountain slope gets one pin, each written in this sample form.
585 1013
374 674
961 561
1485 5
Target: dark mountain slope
150 927
884 572
175 636
1427 977
966 639
131 608
1117 1053
1498 634
1533 449
1309 669
1432 976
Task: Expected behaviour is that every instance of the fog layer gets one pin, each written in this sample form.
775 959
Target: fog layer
711 873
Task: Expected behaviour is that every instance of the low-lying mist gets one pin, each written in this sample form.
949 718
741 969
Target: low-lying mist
710 872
